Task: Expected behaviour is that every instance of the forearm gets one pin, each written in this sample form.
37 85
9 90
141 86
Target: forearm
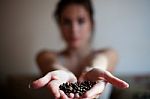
105 60
47 62
57 68
61 67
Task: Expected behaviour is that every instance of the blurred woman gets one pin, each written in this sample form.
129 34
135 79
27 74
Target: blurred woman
78 61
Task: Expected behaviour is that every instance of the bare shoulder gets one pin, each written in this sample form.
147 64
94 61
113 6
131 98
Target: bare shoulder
45 59
46 54
106 51
110 53
111 56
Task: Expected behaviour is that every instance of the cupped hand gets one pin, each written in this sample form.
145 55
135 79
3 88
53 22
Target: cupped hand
101 77
53 80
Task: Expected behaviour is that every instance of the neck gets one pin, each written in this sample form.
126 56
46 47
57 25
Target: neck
79 52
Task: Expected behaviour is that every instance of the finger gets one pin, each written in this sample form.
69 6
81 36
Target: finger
115 81
95 90
76 96
82 77
95 96
72 80
53 87
42 81
63 95
92 97
71 95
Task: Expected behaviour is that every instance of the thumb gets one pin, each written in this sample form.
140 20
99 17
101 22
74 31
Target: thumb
115 81
42 81
82 77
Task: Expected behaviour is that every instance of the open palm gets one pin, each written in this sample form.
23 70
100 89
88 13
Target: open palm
101 77
53 80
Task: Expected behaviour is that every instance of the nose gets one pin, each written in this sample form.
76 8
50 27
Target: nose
75 29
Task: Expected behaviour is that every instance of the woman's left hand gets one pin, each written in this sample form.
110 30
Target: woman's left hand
102 77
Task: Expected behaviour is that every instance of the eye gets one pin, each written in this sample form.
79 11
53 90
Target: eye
66 22
81 21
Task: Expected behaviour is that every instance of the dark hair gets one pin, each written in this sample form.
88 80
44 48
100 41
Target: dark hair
64 3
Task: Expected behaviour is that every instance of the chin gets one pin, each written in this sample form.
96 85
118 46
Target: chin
75 45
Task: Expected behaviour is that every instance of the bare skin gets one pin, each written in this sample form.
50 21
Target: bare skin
80 61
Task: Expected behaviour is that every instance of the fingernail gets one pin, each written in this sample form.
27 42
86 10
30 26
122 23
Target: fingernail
125 85
30 85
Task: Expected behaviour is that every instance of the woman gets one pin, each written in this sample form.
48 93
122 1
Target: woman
78 62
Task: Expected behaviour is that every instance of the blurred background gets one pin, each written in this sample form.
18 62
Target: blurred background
28 26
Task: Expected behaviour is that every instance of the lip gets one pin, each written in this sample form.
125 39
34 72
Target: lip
74 39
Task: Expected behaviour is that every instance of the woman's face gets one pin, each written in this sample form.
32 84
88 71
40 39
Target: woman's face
76 26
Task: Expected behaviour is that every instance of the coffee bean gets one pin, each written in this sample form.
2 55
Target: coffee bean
79 88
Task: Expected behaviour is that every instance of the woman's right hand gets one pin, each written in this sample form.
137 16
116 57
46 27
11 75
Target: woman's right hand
53 80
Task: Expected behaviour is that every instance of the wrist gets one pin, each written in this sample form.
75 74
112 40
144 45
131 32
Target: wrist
71 75
88 68
100 67
68 75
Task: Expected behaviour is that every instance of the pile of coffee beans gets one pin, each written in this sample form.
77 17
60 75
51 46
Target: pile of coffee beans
76 87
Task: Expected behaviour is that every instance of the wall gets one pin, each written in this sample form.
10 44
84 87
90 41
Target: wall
124 25
27 26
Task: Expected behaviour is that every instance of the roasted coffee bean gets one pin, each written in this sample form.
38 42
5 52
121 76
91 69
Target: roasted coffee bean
79 88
